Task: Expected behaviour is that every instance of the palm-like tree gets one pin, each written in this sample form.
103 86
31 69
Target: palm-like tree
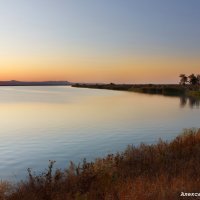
184 79
193 80
198 79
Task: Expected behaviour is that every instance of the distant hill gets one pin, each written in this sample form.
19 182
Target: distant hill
42 83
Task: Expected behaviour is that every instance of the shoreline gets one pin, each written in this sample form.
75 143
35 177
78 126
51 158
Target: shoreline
162 89
34 83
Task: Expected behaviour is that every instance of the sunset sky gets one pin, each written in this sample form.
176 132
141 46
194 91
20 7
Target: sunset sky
130 41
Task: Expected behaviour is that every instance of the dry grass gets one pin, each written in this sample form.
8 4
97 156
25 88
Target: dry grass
153 172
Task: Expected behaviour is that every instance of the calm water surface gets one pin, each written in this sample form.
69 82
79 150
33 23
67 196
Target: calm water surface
38 124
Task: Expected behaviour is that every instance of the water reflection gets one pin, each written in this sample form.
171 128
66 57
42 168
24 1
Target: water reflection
191 101
39 124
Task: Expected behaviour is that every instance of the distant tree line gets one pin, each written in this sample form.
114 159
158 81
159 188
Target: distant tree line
191 79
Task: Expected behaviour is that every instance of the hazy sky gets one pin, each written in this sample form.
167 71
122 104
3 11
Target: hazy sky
129 41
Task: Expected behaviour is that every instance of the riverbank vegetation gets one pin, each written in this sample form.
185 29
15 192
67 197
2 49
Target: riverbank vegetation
162 89
188 86
159 171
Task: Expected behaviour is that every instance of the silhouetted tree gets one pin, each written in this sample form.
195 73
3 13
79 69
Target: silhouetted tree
198 79
184 79
193 79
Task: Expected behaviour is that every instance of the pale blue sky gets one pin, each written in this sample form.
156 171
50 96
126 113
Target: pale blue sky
100 27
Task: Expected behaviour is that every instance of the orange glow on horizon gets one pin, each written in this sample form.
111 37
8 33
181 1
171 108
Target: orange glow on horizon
147 69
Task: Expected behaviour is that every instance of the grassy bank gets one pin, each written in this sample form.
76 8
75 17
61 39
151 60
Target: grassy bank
160 171
111 86
194 94
163 89
173 90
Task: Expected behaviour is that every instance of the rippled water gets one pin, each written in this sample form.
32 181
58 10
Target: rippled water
38 124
